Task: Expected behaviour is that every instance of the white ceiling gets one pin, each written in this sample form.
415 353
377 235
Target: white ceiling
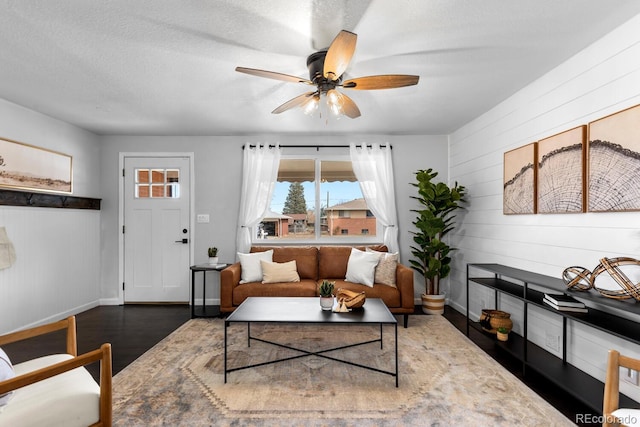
166 67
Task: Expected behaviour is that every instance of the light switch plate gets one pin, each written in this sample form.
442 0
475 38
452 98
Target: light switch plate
629 375
202 218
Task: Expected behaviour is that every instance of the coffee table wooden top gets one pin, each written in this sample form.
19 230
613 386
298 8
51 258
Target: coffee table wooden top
307 310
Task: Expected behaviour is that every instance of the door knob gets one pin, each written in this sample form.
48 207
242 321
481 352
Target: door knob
183 241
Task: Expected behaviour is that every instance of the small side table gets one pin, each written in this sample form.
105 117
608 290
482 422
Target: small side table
204 311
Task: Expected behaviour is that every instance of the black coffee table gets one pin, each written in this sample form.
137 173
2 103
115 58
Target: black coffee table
307 310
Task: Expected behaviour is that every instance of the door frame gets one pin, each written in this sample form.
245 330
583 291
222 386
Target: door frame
121 157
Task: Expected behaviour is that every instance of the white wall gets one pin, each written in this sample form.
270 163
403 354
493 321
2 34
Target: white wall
57 268
218 176
602 79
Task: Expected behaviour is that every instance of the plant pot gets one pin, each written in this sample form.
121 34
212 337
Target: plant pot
326 303
213 260
433 304
502 336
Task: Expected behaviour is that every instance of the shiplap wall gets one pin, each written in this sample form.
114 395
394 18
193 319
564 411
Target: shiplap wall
55 272
600 80
57 269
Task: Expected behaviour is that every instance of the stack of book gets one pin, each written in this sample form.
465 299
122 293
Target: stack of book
562 302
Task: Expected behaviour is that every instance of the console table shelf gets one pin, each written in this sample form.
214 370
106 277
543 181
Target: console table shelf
530 290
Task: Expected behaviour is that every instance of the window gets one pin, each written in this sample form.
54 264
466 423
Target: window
157 183
317 199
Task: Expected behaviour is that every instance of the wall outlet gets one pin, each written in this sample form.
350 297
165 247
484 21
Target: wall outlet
629 375
202 218
552 341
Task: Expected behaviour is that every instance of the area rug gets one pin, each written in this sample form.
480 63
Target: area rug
444 380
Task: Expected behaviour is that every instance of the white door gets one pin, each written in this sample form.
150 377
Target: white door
156 229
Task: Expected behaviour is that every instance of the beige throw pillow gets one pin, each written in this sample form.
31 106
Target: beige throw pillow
279 272
385 272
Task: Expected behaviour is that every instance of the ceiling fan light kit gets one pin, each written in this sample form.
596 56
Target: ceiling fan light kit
326 69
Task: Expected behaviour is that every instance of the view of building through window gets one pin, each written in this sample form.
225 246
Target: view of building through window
305 207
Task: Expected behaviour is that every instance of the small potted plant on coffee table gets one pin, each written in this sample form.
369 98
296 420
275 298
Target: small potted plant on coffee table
326 295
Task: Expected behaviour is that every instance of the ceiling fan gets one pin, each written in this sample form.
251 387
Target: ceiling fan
326 69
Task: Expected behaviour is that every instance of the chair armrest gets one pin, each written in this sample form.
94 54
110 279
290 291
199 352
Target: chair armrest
103 355
69 324
404 283
229 279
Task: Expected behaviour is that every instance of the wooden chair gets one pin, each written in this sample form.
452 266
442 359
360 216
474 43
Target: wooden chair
42 386
612 414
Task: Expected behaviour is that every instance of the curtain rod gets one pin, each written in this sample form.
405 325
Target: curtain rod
317 147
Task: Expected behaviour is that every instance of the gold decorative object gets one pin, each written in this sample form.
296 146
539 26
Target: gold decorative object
577 278
628 289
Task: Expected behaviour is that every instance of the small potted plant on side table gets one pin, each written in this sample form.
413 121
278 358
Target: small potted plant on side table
213 255
502 334
326 295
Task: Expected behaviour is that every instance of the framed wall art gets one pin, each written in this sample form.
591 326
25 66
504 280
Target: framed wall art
561 172
614 162
519 180
26 167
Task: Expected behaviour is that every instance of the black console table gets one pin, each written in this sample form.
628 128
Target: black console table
517 284
204 310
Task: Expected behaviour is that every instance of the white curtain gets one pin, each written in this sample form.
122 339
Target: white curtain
374 170
259 174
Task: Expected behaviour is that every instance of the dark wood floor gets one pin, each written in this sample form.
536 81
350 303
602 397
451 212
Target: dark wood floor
134 329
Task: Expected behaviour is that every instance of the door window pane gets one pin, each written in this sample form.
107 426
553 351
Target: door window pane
157 183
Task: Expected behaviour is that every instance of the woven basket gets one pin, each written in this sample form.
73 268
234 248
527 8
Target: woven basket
351 299
491 320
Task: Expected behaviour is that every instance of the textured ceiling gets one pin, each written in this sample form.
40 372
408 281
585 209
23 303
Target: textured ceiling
166 67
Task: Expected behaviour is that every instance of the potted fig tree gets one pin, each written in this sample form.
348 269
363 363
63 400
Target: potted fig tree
434 220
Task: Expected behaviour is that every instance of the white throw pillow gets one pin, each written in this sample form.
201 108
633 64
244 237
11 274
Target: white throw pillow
6 372
386 269
362 266
279 272
250 265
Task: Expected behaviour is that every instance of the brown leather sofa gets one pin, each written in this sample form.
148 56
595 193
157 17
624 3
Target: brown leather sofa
315 264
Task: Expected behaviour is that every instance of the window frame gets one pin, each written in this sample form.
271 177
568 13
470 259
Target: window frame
319 239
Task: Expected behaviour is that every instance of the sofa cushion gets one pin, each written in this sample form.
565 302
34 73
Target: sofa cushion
306 258
332 260
361 266
277 272
303 288
69 399
251 268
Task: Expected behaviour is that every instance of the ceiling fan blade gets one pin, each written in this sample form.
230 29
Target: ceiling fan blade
339 103
298 101
388 81
273 75
339 54
349 108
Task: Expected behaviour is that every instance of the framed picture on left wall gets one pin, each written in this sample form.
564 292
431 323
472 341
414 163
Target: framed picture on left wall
27 167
